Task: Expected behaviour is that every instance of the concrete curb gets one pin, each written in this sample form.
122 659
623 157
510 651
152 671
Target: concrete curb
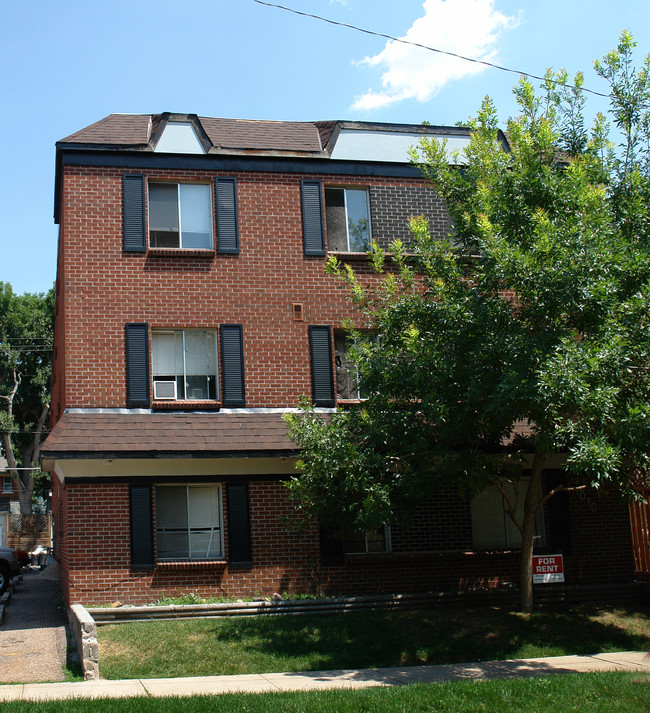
328 680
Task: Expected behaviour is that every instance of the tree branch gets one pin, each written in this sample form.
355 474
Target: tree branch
36 441
510 508
562 489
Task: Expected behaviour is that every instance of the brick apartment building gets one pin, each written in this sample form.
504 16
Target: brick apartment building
192 311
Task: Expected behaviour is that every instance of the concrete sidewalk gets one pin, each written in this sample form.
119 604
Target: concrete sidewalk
324 680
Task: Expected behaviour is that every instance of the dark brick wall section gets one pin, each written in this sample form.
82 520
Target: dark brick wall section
433 554
391 207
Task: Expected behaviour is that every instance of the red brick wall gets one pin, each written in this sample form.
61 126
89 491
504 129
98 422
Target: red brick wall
96 550
59 529
106 288
101 288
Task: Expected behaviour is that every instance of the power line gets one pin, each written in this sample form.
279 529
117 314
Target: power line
424 47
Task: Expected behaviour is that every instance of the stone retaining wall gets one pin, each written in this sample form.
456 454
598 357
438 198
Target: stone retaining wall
85 634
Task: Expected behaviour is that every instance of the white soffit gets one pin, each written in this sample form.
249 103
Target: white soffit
360 145
179 137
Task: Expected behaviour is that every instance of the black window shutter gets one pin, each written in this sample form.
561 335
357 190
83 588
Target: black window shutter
141 528
133 213
137 365
559 514
331 547
232 365
239 526
322 379
227 225
312 218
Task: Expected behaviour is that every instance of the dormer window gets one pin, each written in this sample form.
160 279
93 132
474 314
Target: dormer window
180 216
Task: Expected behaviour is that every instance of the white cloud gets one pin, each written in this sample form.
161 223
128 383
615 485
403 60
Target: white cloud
467 27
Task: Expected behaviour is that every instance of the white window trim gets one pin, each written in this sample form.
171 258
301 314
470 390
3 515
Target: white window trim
7 479
183 332
347 222
189 558
341 333
178 184
345 190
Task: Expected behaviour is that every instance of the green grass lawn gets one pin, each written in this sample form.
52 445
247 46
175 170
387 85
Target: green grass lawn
202 647
584 693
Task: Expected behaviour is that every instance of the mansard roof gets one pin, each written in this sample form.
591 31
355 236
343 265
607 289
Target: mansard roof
142 132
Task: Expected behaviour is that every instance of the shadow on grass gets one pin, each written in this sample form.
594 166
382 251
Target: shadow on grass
384 638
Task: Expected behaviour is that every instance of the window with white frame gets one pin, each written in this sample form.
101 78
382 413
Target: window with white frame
492 527
188 522
184 364
359 543
348 219
7 484
348 384
180 215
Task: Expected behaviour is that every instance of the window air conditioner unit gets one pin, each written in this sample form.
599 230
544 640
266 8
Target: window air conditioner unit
164 389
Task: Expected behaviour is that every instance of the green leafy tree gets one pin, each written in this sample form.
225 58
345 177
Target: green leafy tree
26 334
522 339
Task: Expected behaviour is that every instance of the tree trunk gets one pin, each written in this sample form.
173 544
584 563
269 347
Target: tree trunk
531 505
25 491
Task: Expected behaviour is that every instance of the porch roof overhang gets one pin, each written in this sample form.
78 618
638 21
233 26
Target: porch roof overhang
167 435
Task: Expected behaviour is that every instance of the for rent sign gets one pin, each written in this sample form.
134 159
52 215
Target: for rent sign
547 569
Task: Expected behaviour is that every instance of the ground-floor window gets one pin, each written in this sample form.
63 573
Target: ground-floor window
189 522
356 543
492 527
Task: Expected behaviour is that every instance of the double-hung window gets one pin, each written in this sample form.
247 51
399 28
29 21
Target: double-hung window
7 484
185 365
348 219
180 215
188 522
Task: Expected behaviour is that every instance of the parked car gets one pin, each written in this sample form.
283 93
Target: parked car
9 566
23 557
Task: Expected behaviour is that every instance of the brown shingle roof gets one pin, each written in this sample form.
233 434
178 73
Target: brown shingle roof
121 434
325 129
262 135
114 129
240 134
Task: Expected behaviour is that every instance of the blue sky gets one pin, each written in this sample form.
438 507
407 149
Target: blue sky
70 63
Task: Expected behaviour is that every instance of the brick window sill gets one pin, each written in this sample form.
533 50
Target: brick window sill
180 252
374 556
186 405
342 255
360 257
184 565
